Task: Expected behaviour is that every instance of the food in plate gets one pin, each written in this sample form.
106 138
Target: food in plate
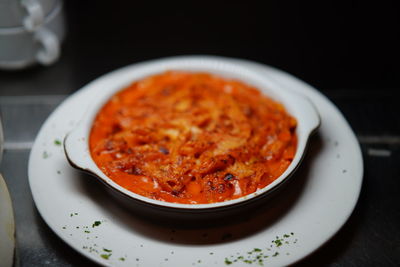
193 138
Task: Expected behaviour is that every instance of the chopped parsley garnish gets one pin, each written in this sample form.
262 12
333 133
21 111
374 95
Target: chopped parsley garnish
260 255
96 223
105 256
107 250
57 142
122 259
278 242
228 262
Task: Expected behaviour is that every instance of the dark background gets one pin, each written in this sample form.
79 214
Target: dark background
329 44
348 50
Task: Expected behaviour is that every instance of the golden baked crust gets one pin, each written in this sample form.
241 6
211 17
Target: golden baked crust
192 138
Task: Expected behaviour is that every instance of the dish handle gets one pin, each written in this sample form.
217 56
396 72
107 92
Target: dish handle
303 107
76 151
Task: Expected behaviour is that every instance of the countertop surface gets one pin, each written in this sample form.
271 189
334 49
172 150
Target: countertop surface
371 236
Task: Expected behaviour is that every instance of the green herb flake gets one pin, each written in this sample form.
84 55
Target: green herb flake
122 259
278 242
228 262
107 250
86 231
256 250
64 227
286 235
276 254
57 142
105 256
96 223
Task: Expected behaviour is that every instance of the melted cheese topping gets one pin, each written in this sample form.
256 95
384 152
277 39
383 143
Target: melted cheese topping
192 138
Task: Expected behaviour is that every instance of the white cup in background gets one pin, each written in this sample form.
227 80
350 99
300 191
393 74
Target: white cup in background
30 32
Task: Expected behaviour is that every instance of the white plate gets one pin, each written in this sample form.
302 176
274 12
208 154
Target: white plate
313 207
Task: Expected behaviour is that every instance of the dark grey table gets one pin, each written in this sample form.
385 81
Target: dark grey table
117 35
370 237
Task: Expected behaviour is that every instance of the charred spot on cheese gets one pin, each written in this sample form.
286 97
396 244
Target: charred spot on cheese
188 137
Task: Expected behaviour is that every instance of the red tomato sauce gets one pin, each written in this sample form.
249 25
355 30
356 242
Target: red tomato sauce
192 138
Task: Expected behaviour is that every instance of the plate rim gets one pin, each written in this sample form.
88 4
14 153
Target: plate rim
255 65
